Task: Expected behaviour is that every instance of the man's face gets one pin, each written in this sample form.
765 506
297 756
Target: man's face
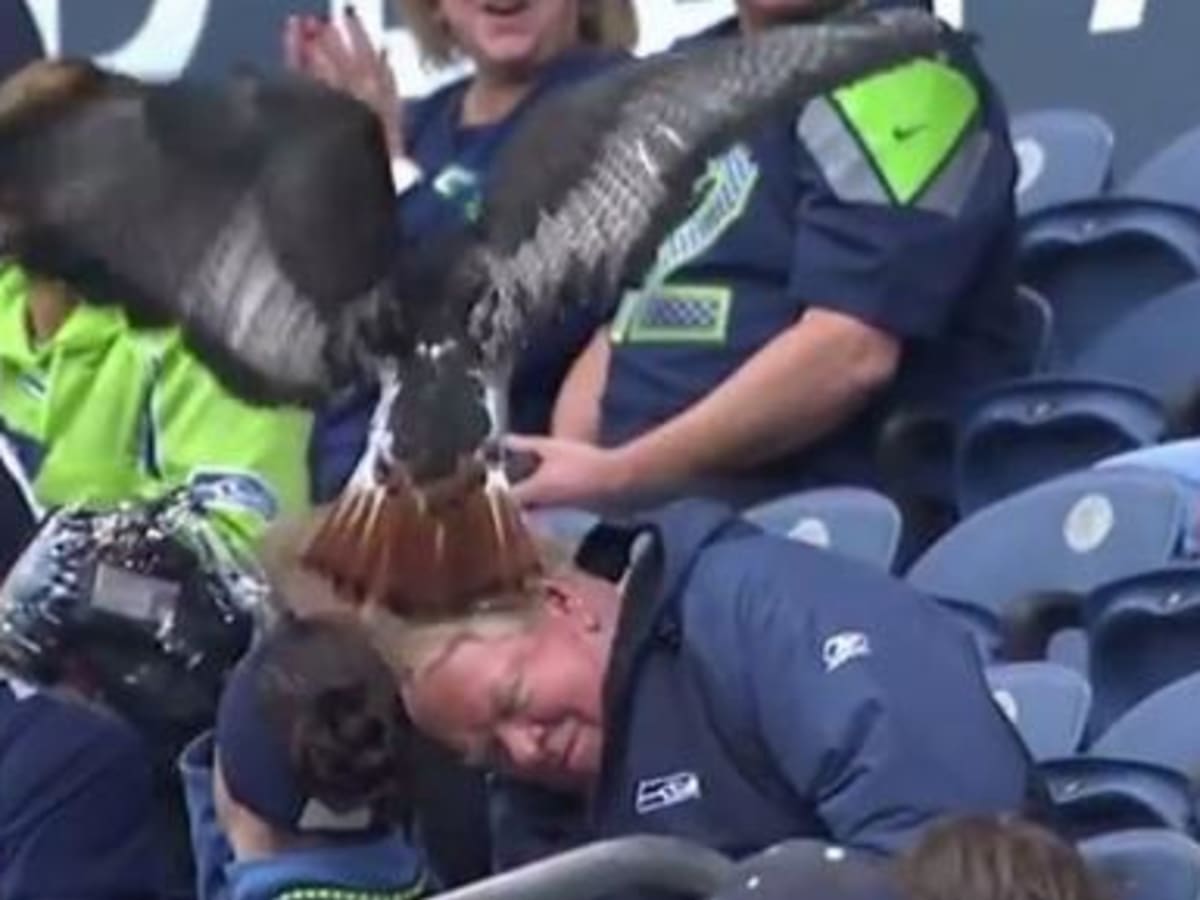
527 702
512 34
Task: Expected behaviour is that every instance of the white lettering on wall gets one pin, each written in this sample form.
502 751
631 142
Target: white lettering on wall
950 11
1117 15
166 40
1107 15
162 46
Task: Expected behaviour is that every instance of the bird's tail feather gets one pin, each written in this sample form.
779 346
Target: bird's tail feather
426 551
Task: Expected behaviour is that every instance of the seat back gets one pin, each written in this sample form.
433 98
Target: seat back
1099 259
1160 730
1096 796
1071 534
1171 175
1150 864
1048 704
620 866
1143 634
854 522
1152 348
1064 155
814 868
1180 459
1024 432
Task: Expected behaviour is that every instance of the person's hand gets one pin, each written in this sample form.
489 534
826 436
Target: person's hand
344 59
568 473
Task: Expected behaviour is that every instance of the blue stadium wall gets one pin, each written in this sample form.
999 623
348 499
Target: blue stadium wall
1135 61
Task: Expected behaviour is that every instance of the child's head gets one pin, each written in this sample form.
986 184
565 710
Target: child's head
312 744
995 858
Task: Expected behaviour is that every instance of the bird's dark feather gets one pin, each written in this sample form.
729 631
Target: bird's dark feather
597 176
252 213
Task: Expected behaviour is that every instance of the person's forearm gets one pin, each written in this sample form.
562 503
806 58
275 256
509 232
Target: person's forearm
801 386
577 409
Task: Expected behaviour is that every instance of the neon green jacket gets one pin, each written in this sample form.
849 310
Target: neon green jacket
103 413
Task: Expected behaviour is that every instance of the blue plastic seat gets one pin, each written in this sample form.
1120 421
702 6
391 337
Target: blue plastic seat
1160 730
1064 155
855 522
1025 432
815 868
1138 380
1049 704
1071 534
1095 261
1152 348
1151 864
1171 175
1095 796
1144 634
1180 459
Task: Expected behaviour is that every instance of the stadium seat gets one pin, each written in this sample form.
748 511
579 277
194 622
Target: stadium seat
808 869
1171 175
1148 864
1022 433
1097 260
1160 730
1064 155
1048 703
1097 796
1152 348
1143 633
855 522
1180 459
1071 534
1114 396
658 865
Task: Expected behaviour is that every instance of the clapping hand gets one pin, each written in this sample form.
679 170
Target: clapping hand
343 58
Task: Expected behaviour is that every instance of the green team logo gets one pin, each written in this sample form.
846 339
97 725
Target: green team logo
661 313
720 195
462 188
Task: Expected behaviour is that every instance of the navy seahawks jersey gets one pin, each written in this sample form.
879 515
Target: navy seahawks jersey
889 201
456 160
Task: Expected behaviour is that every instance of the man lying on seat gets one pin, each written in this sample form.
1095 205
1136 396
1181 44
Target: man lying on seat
732 688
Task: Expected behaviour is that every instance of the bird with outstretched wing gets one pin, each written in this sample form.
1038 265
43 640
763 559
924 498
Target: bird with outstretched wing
259 216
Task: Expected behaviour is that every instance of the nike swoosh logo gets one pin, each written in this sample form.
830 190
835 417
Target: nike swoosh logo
903 133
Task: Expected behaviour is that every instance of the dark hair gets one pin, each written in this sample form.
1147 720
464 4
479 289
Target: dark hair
332 698
996 858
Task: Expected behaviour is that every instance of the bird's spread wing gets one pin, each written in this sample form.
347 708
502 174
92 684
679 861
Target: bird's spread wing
252 213
597 176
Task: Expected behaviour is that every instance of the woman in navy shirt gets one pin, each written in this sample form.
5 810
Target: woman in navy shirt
444 146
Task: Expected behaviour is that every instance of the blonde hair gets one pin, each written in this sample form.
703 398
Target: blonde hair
607 24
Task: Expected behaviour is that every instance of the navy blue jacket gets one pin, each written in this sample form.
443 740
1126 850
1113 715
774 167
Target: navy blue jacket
761 690
75 804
